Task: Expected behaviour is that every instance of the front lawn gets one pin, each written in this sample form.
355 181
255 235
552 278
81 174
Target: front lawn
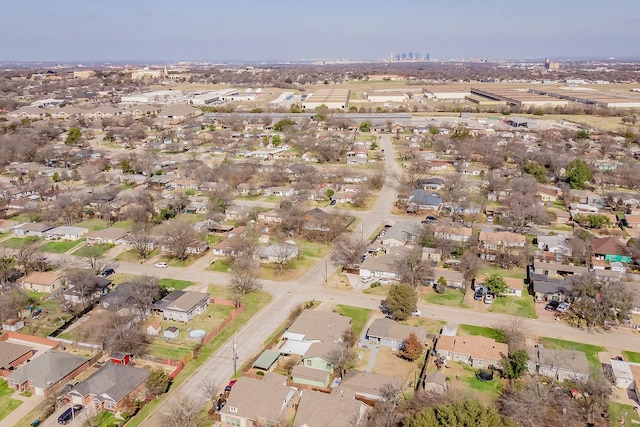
220 265
359 316
515 272
631 356
484 332
7 404
176 284
105 419
132 255
93 251
62 246
522 307
591 351
93 224
451 298
13 243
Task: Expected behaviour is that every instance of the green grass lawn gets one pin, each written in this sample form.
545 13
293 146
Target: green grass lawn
379 290
176 284
93 224
518 273
493 387
93 250
617 411
591 351
105 419
359 316
7 404
451 298
13 243
522 307
128 224
118 278
213 239
220 265
62 246
631 356
484 332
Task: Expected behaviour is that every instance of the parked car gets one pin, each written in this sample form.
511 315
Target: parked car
107 272
479 293
367 279
564 306
333 202
488 299
161 265
68 415
552 306
416 313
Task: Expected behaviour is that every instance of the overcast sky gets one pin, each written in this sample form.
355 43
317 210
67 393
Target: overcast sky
263 30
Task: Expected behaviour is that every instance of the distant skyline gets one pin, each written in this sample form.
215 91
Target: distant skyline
289 30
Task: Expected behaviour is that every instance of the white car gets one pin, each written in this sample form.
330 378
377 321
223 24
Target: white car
416 313
161 265
488 299
564 306
367 279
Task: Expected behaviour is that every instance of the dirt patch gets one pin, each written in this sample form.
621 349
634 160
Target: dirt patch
390 365
338 281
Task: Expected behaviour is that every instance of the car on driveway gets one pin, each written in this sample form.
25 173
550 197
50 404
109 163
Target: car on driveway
480 291
552 306
367 279
67 416
564 306
488 299
161 265
107 272
416 313
333 202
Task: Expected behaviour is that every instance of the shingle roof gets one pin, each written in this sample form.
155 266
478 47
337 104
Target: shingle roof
317 409
47 369
254 399
609 245
387 328
10 352
320 325
112 382
367 382
475 346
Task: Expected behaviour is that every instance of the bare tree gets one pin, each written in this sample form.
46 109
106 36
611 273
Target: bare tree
348 250
143 243
384 413
514 332
178 236
243 278
145 292
30 257
413 269
340 357
95 261
184 411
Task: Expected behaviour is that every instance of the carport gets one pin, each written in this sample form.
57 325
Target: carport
266 360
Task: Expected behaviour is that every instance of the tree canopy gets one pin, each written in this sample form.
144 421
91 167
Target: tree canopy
73 136
495 284
458 414
577 174
401 301
597 303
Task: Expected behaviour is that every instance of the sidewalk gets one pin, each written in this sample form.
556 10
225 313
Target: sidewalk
28 405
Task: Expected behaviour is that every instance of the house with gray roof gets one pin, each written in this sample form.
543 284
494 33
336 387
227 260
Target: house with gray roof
260 402
46 374
401 233
182 305
277 253
366 384
562 365
345 410
66 232
107 388
388 333
313 326
109 236
421 200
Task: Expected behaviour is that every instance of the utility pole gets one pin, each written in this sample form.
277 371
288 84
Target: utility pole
235 358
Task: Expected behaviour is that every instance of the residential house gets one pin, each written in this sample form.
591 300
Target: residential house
431 184
550 289
477 351
557 270
316 220
66 232
420 200
259 402
401 233
42 281
31 229
88 290
121 297
178 112
13 355
562 365
500 242
547 194
108 236
278 191
367 385
271 217
610 249
182 305
313 326
622 374
278 253
454 279
231 247
7 225
310 376
346 411
557 244
299 169
46 374
514 286
452 233
432 255
385 266
107 388
387 333
435 382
